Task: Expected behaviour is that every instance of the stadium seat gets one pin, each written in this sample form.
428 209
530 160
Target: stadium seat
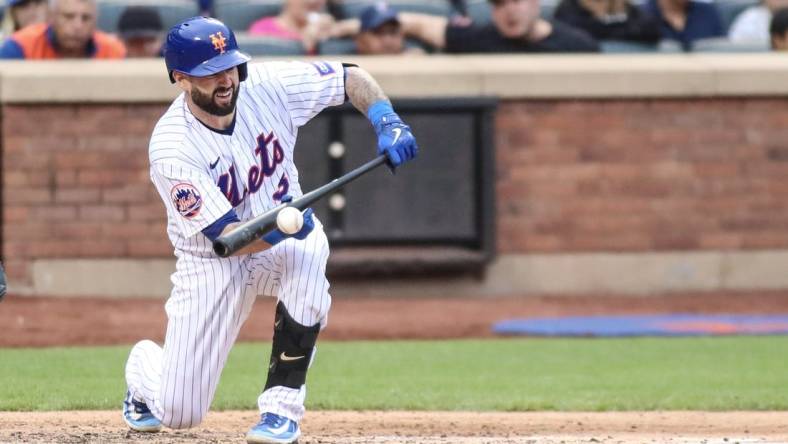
436 7
263 45
624 47
337 46
669 46
415 43
479 11
353 8
548 8
725 45
348 46
171 11
240 14
729 9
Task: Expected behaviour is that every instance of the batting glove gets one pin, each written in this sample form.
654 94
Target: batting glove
276 235
394 137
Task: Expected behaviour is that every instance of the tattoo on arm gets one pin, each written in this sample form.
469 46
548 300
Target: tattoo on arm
362 89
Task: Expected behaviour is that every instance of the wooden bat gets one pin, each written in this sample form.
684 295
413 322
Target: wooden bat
251 230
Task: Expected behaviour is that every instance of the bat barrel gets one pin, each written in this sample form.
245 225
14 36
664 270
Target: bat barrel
225 246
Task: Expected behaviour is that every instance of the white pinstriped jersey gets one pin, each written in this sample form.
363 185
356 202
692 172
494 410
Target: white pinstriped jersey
201 174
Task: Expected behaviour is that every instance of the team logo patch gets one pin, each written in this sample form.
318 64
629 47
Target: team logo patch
186 199
219 41
323 68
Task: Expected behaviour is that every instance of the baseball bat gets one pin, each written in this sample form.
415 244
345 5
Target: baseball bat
251 230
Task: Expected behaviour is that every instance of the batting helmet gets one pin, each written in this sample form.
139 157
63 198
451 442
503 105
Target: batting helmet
202 46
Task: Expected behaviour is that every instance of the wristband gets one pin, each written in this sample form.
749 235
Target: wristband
273 237
379 109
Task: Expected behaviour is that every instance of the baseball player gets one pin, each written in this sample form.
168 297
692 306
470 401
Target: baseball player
223 153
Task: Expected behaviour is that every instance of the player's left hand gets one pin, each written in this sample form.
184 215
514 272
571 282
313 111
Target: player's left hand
309 225
395 140
309 222
276 235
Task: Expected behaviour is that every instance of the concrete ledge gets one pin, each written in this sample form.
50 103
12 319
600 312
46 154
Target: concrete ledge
610 273
647 273
504 76
100 277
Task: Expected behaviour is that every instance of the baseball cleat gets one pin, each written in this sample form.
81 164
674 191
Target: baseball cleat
138 416
273 429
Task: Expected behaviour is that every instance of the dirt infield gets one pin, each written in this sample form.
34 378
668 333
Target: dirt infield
422 427
52 321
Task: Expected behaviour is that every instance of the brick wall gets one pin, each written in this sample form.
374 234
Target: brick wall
642 175
629 175
75 184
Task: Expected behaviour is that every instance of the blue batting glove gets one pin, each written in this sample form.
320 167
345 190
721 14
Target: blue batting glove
276 235
394 137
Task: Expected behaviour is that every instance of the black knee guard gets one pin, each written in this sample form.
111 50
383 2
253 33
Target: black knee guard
291 351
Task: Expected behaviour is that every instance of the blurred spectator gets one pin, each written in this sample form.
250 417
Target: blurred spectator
21 13
303 20
141 30
686 20
516 27
779 30
381 32
609 20
70 33
752 24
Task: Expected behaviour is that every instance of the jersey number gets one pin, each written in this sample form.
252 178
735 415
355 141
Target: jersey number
282 188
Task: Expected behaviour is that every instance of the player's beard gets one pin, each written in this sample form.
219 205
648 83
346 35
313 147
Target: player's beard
206 102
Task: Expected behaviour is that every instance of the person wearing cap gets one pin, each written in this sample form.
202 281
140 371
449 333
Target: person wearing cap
380 32
69 33
141 30
21 13
516 27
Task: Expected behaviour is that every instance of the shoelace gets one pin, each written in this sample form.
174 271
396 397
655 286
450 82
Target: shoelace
272 420
140 407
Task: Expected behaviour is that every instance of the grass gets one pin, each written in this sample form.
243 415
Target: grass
731 373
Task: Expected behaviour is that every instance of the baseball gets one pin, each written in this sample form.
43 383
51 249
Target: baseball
289 220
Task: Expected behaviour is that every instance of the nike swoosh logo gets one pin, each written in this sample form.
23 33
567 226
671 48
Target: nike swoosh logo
398 132
213 165
284 357
281 429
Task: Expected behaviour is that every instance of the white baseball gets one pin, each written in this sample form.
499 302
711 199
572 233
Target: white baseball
289 220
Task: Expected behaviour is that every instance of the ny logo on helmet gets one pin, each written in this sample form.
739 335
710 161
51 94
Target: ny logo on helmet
219 41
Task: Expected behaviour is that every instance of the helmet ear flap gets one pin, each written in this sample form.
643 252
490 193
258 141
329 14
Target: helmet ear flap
242 72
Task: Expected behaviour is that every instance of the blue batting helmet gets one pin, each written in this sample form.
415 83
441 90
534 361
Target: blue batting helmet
201 46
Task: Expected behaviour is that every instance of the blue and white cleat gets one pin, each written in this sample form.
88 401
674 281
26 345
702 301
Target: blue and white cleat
273 429
138 416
